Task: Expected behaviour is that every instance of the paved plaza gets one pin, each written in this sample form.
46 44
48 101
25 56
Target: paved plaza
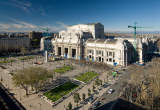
34 101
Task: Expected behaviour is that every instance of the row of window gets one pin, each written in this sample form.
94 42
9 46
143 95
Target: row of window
100 59
110 60
100 52
90 51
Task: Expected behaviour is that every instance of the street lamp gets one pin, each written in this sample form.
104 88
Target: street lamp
40 106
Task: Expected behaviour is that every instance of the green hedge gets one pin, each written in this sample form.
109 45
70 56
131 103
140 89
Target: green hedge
86 77
60 91
63 69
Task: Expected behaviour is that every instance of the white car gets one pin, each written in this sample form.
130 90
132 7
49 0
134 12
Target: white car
110 91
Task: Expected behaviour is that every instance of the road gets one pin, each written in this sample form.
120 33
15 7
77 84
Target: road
117 87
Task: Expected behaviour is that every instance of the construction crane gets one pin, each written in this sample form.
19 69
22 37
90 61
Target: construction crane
46 31
135 33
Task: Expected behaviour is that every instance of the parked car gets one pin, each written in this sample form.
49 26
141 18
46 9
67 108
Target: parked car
110 91
105 85
90 99
96 104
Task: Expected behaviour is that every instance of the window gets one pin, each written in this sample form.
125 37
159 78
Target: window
97 52
107 54
102 53
107 59
90 51
110 59
113 60
113 54
110 53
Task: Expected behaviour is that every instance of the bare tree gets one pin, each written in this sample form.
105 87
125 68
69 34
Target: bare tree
34 77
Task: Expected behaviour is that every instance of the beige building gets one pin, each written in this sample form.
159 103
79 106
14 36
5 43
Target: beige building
86 41
14 44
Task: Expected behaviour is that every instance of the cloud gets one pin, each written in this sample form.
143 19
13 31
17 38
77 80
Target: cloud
58 27
21 4
26 6
17 26
21 26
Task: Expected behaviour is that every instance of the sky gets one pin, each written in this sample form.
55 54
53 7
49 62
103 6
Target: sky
115 15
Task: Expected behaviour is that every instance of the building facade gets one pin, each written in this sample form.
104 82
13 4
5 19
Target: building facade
87 41
14 44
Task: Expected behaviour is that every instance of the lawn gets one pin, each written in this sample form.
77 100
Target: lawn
86 77
26 58
60 91
63 69
7 60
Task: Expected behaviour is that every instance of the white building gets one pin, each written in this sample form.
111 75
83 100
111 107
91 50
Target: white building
86 41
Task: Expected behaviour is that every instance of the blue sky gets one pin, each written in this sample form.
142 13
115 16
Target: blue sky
27 15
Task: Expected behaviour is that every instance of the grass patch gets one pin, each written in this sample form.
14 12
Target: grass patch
26 58
60 91
63 69
7 61
86 77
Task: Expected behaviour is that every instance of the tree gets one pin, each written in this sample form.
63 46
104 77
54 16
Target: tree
76 98
144 85
69 106
93 88
34 77
21 81
89 92
23 51
98 82
83 96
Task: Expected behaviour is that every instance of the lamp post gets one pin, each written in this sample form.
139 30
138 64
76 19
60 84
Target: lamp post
40 106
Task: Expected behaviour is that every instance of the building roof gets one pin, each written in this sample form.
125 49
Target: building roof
111 41
90 41
100 40
107 41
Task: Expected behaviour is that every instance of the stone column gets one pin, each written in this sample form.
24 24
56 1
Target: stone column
104 55
46 56
80 53
69 52
62 51
140 56
56 50
77 53
126 57
94 54
123 57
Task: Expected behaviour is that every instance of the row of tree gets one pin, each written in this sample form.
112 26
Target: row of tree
144 86
32 78
77 97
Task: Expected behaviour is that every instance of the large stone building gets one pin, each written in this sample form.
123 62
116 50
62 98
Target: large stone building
87 41
13 44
